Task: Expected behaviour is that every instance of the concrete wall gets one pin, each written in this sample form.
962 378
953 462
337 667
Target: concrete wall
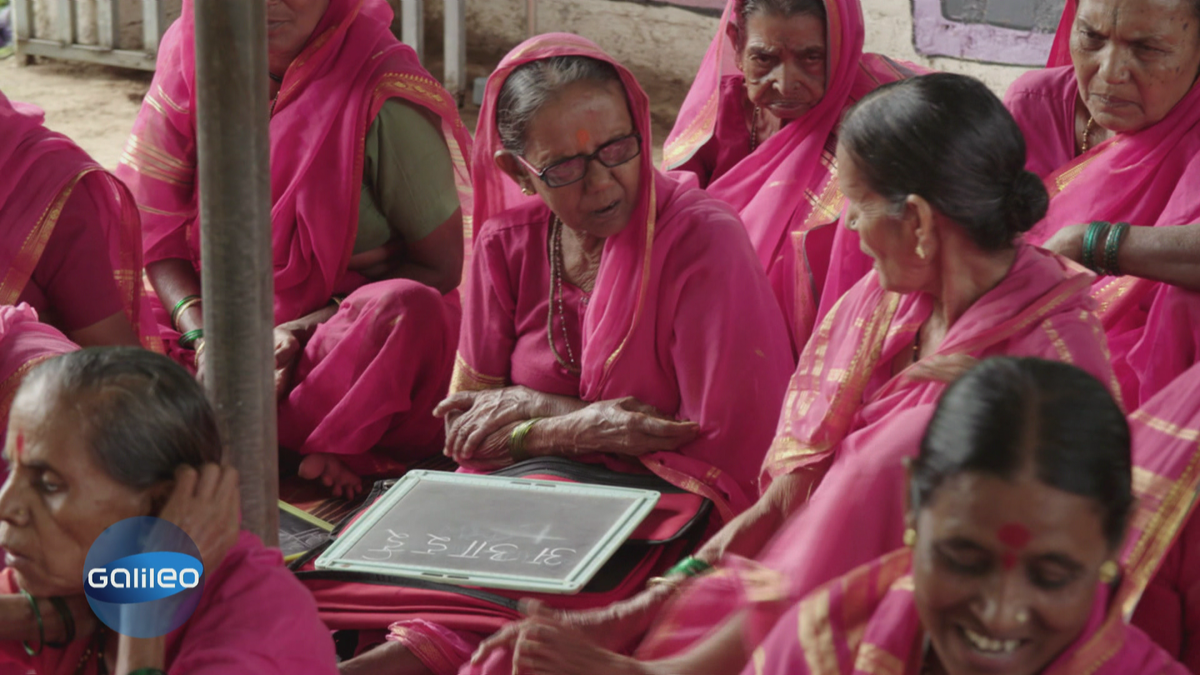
669 42
129 14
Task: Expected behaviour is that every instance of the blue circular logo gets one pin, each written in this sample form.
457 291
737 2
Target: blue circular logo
143 577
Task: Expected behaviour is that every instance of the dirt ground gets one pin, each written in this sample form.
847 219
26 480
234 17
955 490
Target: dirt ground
96 105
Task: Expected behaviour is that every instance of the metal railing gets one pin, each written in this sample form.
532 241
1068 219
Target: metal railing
63 42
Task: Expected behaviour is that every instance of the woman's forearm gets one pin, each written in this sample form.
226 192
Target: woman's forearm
1167 254
137 653
749 533
173 280
721 653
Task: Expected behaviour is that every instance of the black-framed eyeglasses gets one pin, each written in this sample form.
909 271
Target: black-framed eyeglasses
572 169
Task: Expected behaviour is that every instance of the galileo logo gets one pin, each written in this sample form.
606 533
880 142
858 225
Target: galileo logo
143 577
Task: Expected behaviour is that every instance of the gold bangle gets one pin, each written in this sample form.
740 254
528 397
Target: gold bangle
516 442
183 307
337 302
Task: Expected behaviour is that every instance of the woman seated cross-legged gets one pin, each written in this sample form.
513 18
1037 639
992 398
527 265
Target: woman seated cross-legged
614 315
109 433
933 169
1018 504
367 171
759 127
1113 127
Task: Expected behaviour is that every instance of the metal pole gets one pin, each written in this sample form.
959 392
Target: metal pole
235 242
531 18
456 48
412 25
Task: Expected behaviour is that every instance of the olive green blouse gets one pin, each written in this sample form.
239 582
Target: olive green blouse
408 185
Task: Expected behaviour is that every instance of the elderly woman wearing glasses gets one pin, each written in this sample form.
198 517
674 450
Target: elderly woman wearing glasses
612 316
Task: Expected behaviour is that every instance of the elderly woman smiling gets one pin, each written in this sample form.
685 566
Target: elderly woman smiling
1114 129
758 128
105 434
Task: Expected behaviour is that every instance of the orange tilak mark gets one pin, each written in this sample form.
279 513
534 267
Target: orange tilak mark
583 137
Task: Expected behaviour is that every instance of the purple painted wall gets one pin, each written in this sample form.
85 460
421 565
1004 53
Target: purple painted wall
936 35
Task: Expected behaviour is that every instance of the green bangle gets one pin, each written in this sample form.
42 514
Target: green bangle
690 566
181 307
1089 243
516 442
37 614
188 339
1112 246
64 613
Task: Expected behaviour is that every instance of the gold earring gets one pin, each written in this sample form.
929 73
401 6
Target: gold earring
1109 572
527 190
920 251
1022 616
910 537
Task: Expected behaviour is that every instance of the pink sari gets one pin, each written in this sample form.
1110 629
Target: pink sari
681 318
24 343
846 410
786 190
370 376
1161 563
1149 178
866 622
42 170
254 617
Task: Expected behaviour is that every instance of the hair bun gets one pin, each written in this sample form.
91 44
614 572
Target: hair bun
1026 202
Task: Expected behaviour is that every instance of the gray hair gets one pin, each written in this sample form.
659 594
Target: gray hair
531 85
142 415
744 9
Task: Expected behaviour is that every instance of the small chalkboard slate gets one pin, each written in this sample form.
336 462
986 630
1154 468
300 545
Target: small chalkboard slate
491 531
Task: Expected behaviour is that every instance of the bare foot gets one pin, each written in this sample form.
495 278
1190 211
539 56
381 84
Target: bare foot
329 470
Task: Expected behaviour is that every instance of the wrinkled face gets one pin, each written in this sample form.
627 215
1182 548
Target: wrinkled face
57 499
882 233
784 61
580 119
1005 572
1134 59
290 23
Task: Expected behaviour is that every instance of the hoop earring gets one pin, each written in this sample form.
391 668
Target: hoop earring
910 537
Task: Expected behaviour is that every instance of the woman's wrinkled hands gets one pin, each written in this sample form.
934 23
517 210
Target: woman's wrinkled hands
205 504
1068 242
551 642
623 426
474 417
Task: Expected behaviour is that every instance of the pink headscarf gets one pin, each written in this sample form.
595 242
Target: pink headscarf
787 186
41 168
622 284
327 101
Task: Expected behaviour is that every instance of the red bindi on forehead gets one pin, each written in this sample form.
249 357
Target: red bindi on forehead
1016 537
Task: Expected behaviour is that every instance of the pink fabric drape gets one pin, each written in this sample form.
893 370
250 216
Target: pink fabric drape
654 326
42 169
349 396
24 343
1161 558
845 407
254 617
786 190
871 625
1148 178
